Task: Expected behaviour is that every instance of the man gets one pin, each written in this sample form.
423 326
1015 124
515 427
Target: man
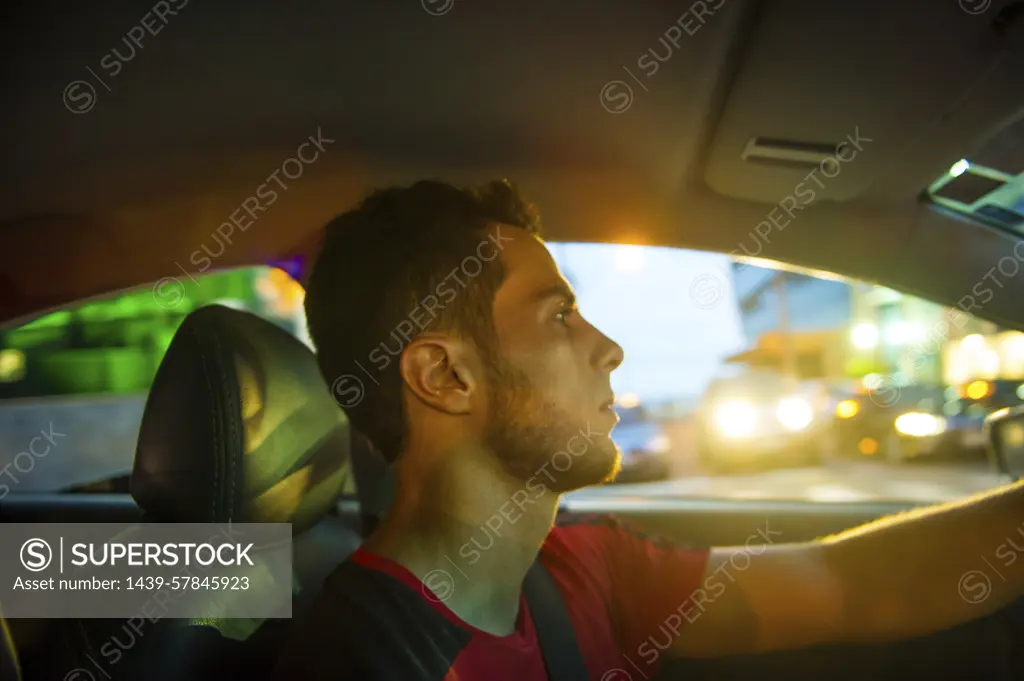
454 343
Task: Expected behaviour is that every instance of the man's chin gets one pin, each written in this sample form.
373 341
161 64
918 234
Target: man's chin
560 458
615 468
598 471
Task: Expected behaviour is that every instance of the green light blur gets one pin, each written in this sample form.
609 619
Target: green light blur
112 346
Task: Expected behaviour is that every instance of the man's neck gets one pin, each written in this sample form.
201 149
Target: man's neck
470 536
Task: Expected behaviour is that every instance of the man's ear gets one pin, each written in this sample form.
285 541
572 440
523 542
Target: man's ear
441 372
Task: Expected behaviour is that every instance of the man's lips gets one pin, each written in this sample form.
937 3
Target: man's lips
606 408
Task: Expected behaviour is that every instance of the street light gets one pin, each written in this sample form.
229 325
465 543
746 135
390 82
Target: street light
973 342
901 333
864 336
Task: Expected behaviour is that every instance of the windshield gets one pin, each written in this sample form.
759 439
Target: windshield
760 383
738 381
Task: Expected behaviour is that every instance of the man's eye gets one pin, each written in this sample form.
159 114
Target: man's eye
562 315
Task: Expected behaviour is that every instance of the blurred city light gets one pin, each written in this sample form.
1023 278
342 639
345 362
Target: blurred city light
901 333
864 336
978 389
847 409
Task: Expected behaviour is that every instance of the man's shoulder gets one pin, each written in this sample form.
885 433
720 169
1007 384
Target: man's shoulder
367 624
601 529
599 541
580 544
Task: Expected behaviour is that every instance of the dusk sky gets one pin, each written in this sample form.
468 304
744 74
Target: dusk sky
642 297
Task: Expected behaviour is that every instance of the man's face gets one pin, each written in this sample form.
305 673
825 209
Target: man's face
549 380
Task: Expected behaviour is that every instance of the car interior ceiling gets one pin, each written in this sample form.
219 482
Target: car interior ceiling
932 86
924 82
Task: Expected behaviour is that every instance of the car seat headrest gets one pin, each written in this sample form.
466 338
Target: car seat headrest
240 426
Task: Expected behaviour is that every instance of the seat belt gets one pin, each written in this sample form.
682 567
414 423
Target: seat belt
558 645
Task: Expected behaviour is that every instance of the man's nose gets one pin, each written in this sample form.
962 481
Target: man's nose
610 355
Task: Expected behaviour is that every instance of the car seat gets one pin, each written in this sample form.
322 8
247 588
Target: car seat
239 426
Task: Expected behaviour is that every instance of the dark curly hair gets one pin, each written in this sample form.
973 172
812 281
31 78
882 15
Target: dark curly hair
384 260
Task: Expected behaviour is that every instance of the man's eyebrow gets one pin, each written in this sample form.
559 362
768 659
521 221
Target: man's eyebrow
555 291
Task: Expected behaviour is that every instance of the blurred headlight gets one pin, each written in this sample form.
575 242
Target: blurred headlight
919 424
658 444
847 409
795 413
736 419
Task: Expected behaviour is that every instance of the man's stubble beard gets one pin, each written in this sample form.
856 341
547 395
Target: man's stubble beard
525 433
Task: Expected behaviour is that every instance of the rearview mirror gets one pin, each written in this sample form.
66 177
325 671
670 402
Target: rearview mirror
1006 440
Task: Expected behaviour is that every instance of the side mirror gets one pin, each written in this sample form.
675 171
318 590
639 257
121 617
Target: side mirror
1006 440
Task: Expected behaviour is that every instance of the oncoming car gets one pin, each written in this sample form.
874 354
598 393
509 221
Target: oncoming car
761 419
922 422
978 398
905 424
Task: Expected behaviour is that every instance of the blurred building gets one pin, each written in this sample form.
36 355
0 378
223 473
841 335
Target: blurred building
924 342
812 303
791 317
836 329
896 334
993 356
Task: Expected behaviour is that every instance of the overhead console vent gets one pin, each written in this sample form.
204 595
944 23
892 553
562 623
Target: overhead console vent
770 151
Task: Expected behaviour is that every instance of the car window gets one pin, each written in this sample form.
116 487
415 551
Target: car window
756 382
73 383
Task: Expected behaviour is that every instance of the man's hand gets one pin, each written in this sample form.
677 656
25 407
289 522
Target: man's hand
899 577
